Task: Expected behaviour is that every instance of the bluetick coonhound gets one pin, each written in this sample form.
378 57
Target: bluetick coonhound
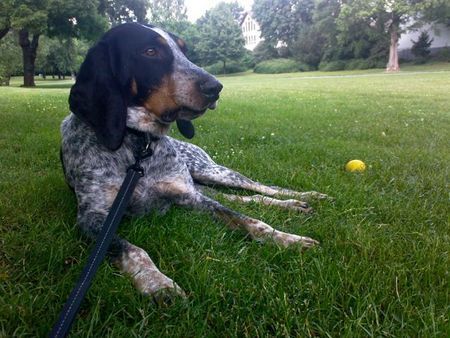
132 85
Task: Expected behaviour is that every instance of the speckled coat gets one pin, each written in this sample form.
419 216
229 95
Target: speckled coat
105 131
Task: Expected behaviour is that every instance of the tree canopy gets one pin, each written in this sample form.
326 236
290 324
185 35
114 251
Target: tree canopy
396 15
317 31
282 20
314 32
119 11
63 19
220 35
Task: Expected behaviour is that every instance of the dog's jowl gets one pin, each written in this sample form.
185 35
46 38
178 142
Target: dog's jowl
132 85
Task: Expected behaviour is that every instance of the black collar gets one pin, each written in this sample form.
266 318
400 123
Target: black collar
143 148
143 135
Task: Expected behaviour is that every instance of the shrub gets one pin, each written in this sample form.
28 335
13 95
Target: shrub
332 66
420 60
264 51
443 54
4 76
277 66
358 64
352 64
304 67
379 63
248 60
231 67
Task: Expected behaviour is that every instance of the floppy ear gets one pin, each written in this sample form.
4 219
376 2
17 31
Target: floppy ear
99 97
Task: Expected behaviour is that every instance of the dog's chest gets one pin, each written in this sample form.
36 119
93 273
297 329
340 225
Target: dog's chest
165 177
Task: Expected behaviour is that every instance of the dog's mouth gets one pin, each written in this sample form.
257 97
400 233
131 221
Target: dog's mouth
183 117
185 113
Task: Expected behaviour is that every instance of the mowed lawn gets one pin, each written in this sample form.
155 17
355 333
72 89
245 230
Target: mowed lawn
382 268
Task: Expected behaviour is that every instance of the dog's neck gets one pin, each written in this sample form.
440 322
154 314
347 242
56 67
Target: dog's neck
142 121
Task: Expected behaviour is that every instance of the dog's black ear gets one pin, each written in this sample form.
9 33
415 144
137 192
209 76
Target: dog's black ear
186 128
99 96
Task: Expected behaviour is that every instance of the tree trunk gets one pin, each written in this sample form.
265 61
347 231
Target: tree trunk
224 67
393 65
29 49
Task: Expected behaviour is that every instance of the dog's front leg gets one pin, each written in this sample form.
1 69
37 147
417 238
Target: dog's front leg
135 262
128 258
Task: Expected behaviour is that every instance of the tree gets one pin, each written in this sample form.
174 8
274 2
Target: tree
439 13
119 11
60 56
236 9
398 15
30 21
220 35
317 41
421 47
63 18
6 7
282 20
167 13
10 58
264 51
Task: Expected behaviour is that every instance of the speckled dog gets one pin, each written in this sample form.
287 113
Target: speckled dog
133 84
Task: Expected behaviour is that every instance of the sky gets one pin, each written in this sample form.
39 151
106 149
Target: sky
196 8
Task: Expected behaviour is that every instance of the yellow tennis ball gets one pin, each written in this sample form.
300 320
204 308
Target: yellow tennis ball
355 166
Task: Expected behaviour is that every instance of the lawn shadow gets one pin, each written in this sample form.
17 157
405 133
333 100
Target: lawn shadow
41 83
62 85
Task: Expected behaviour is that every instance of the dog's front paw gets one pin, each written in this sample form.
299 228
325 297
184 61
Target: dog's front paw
166 295
285 239
161 288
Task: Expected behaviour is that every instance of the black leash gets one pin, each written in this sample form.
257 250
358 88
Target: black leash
104 238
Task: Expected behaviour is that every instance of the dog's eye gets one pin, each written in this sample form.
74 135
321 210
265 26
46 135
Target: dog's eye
151 52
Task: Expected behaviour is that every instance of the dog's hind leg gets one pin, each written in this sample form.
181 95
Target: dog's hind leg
290 204
215 174
258 230
205 171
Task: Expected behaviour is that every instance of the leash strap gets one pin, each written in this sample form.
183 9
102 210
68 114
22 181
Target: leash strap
98 253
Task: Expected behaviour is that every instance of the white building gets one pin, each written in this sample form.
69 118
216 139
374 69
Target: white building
251 31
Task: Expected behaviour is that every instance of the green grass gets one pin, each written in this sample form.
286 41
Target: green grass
382 268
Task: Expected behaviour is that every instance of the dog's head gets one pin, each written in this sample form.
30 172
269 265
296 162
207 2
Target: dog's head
145 68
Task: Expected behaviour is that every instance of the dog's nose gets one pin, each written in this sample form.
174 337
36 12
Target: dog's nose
211 88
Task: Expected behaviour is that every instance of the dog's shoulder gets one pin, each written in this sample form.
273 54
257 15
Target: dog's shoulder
189 152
